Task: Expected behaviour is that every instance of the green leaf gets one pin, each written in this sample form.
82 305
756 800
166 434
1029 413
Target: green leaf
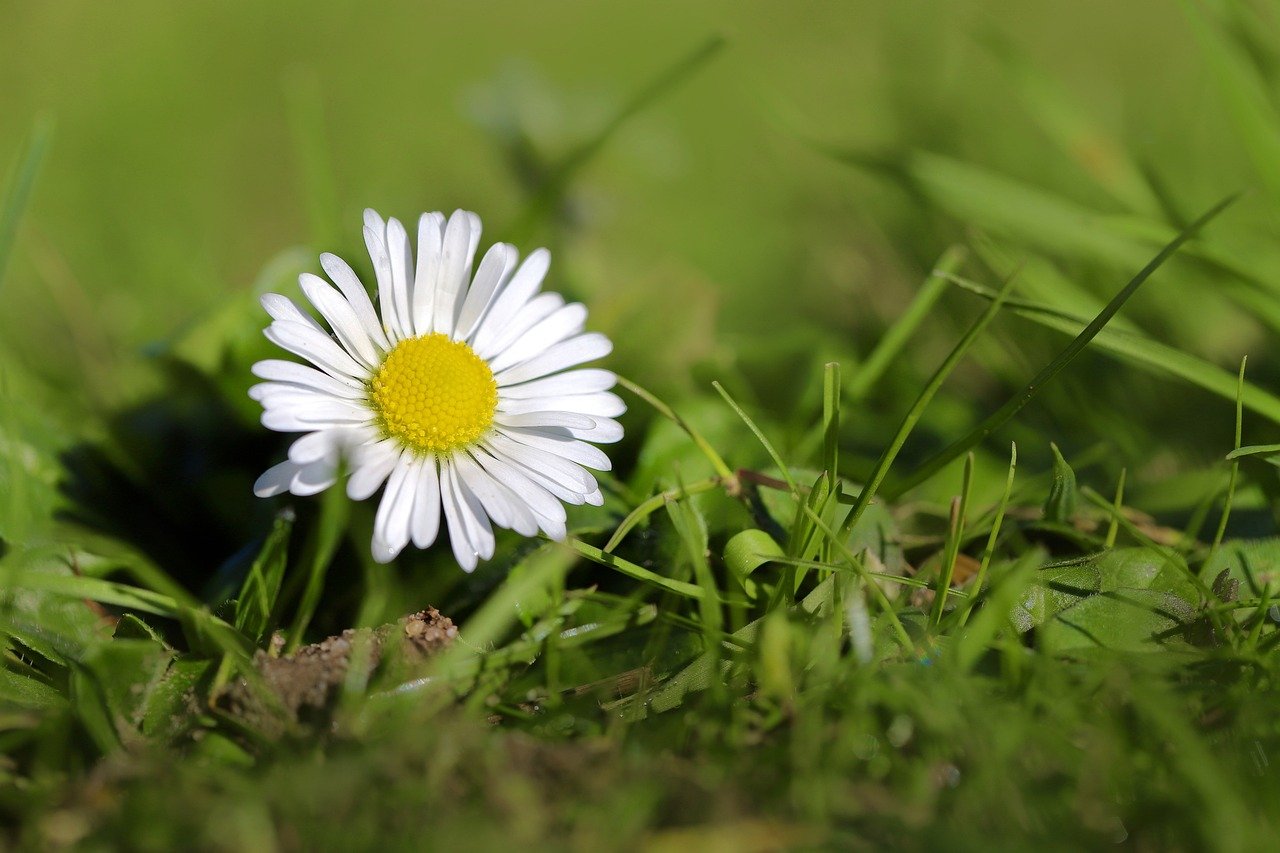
21 691
1253 562
126 672
1060 586
747 551
164 710
1060 506
1122 620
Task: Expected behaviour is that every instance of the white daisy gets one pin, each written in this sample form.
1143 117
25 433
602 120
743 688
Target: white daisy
455 394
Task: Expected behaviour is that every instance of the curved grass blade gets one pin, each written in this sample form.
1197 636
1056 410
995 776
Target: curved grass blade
1143 352
666 411
1053 368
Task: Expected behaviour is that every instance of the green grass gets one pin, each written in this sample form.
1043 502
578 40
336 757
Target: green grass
947 515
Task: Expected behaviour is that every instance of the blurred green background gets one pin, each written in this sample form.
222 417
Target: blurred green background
194 142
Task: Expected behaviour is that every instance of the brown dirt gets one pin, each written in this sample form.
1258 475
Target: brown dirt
303 685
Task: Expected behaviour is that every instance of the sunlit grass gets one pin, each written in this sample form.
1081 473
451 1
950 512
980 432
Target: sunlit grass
989 567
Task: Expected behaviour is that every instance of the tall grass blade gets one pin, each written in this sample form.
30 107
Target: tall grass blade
556 185
917 410
18 185
896 336
1073 349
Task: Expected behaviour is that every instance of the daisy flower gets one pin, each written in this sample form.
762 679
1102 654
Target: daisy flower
455 392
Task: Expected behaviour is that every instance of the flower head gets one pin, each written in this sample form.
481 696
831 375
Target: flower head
455 392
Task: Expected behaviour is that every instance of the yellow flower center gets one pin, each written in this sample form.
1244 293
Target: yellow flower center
434 394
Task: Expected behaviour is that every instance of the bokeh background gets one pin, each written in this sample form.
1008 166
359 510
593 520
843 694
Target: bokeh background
195 142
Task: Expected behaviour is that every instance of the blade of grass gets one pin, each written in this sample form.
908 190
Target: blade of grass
96 589
18 184
855 563
655 503
1142 352
666 411
1114 527
917 410
830 442
304 100
890 345
631 570
1235 473
1244 93
989 551
760 436
960 509
1064 358
562 174
321 546
1072 129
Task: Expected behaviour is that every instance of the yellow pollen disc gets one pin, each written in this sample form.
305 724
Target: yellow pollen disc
434 394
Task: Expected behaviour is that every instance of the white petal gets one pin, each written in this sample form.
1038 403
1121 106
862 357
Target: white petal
391 523
574 495
554 528
277 393
401 268
586 347
300 374
455 264
538 499
563 420
606 431
375 240
502 505
341 318
563 323
285 310
524 283
329 443
534 311
314 477
556 468
430 240
472 513
425 524
357 297
602 404
322 410
459 520
498 263
371 463
585 381
557 443
290 476
472 246
317 348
